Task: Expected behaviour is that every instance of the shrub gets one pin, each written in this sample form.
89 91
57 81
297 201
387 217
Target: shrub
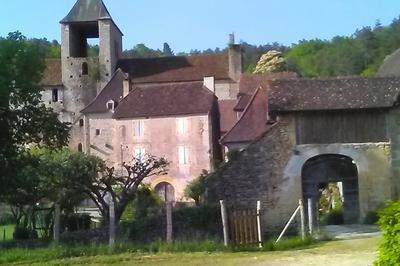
389 222
75 222
194 223
371 217
335 216
22 233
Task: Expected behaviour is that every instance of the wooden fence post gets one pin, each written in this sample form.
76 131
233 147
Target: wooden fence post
56 228
310 216
224 216
112 224
259 224
169 221
302 220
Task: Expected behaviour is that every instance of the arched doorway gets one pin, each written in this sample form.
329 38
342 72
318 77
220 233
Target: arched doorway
166 191
321 170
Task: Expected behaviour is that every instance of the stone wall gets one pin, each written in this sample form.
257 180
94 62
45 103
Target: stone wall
116 143
257 175
270 170
373 166
394 135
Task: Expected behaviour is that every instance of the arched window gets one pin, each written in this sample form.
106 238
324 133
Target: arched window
80 147
166 191
85 68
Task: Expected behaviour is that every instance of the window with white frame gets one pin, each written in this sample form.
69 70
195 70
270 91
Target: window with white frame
138 128
140 153
183 155
182 124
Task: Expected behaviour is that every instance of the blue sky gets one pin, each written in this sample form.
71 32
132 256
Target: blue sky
202 24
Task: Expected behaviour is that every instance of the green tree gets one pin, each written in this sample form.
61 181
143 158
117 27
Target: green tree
88 175
167 51
142 51
196 188
24 119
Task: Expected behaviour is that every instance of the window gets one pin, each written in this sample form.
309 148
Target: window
138 128
81 123
183 155
182 124
54 95
80 147
97 132
140 153
166 191
110 106
85 69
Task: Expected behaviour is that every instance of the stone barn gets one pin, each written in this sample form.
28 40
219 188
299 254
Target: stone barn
330 130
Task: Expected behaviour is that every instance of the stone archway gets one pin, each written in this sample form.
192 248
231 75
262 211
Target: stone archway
326 168
166 191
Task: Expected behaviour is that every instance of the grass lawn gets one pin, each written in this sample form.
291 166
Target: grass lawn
345 253
9 230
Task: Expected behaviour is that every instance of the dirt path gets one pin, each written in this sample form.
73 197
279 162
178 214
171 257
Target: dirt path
344 253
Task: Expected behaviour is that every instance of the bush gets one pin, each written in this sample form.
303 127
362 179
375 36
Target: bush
389 222
21 233
75 222
335 216
371 217
194 223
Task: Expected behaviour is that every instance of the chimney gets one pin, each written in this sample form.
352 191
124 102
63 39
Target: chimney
209 83
126 87
235 59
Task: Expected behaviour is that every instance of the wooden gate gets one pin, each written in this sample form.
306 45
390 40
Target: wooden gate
243 226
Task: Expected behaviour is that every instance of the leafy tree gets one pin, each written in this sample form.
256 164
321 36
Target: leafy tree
24 119
167 51
89 176
142 51
196 188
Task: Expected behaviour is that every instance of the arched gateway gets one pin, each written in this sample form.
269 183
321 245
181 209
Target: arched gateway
320 170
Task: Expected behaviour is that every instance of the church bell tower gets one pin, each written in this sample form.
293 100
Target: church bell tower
84 74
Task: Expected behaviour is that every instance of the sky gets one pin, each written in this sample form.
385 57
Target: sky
203 24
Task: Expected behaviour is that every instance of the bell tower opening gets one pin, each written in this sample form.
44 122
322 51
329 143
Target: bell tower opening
79 35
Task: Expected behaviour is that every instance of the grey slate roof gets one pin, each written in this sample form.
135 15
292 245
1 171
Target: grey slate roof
333 94
87 11
390 66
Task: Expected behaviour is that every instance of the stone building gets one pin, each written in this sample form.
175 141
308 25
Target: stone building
123 107
331 130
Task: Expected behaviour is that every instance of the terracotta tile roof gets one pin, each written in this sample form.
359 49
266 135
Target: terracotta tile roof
250 82
176 68
227 116
333 94
112 91
242 101
166 100
253 121
52 75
